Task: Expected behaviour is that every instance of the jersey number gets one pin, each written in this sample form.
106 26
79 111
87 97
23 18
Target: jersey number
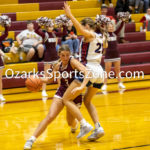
99 47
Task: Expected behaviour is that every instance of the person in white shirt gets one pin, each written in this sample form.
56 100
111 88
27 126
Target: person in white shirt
30 42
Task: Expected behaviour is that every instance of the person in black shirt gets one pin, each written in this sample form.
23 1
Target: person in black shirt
71 39
122 6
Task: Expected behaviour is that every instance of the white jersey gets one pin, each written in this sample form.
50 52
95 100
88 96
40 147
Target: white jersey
91 55
91 52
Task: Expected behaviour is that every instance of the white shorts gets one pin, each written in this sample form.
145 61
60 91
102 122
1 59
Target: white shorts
97 78
97 72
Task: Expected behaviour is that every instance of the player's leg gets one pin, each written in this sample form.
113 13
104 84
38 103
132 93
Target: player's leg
72 121
56 107
117 71
107 70
74 110
46 67
98 132
1 86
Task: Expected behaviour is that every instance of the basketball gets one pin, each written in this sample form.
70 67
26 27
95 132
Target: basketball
33 84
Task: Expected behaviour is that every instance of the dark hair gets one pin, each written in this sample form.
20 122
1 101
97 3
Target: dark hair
29 22
88 21
104 6
63 47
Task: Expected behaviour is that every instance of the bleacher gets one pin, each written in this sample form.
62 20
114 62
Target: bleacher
135 55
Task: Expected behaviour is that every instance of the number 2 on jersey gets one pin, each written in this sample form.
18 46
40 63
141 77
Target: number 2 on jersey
98 50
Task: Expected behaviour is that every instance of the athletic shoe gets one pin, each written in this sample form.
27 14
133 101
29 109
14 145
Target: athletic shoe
84 130
44 94
28 145
2 98
104 87
121 86
97 133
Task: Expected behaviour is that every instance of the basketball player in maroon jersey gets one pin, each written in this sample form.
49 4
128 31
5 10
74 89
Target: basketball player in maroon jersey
67 65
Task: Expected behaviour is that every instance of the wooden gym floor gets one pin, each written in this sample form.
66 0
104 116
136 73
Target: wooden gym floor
125 116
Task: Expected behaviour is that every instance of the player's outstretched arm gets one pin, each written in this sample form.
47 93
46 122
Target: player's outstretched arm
76 23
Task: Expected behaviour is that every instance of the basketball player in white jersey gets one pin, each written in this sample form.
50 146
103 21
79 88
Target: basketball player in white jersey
90 55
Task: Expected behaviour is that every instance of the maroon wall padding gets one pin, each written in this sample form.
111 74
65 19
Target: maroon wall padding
138 67
130 27
134 47
11 15
39 1
133 58
13 82
20 25
51 5
135 37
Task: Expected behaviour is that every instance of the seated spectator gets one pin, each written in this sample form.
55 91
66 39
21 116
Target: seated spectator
146 5
71 39
110 2
9 46
146 21
137 5
122 6
30 42
121 34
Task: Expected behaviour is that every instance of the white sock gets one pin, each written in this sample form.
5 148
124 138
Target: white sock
82 122
1 95
33 138
97 125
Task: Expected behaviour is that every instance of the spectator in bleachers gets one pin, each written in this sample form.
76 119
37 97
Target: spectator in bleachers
110 2
71 39
1 63
146 5
9 46
146 21
30 42
122 6
121 34
137 5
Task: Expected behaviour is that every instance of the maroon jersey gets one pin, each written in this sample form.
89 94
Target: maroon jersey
67 74
112 52
49 39
1 39
65 82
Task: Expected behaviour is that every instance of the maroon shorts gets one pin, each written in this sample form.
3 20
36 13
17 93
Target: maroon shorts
60 92
1 63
